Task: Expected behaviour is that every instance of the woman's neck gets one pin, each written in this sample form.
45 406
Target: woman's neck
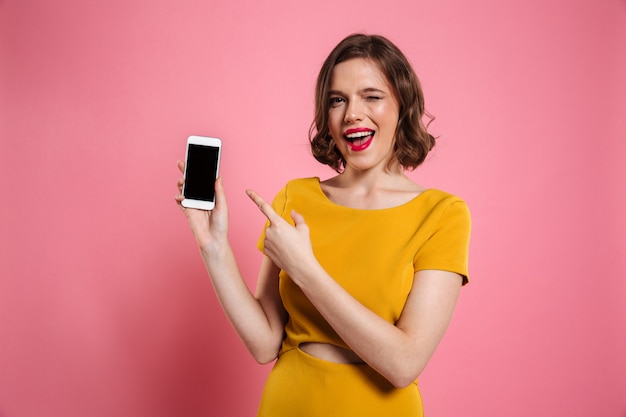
371 190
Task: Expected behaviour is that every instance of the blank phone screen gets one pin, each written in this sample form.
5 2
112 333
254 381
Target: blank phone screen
201 172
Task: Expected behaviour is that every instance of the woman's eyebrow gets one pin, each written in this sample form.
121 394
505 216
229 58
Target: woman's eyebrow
361 91
372 90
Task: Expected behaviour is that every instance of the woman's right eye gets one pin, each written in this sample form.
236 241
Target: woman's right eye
335 101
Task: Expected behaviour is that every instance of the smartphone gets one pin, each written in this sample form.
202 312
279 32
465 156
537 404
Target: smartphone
202 163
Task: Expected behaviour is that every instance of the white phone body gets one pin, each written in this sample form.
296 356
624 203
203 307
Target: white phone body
202 163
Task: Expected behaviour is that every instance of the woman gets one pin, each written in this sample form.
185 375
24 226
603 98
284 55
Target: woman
361 271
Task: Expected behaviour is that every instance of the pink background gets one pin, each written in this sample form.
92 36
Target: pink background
105 307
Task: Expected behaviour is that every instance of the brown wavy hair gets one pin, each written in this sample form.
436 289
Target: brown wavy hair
412 140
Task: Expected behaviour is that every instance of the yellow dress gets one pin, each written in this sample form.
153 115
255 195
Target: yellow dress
372 254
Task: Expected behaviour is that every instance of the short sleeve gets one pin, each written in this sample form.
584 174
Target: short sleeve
448 245
278 204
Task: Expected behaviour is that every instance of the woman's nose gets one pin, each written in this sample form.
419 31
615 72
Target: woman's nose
354 112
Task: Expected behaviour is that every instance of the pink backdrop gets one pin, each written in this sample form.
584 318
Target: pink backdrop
105 308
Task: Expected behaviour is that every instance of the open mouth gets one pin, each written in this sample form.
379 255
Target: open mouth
359 139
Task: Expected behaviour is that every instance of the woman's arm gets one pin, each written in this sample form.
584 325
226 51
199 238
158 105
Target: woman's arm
398 352
258 320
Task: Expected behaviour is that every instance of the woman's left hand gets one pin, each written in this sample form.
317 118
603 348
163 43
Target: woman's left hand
289 247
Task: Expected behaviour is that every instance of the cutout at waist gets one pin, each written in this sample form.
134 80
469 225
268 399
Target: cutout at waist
331 353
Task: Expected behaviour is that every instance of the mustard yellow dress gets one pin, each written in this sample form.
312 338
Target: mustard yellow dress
372 254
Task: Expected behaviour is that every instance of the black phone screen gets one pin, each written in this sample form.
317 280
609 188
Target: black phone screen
200 172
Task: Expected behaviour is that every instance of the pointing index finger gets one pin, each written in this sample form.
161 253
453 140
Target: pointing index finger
264 206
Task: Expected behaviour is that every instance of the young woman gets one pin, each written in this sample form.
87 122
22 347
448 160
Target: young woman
361 271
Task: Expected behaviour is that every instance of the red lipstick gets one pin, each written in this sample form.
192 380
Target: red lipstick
359 138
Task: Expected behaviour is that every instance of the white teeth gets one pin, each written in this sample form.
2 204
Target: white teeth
359 134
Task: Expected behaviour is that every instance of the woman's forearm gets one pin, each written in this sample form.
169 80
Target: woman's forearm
255 320
398 352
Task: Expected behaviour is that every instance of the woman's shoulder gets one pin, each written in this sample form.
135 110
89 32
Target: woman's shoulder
442 203
300 187
440 196
306 182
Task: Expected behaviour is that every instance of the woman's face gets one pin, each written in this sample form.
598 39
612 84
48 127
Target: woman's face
363 114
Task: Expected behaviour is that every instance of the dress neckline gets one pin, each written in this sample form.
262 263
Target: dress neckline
321 192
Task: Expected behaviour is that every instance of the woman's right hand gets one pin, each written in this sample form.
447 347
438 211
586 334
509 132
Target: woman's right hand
209 228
